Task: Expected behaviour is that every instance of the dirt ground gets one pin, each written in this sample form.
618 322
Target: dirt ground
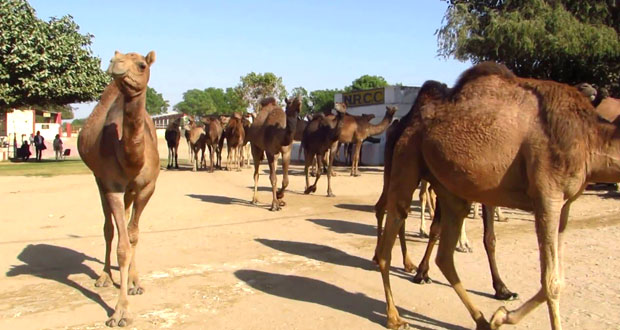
210 260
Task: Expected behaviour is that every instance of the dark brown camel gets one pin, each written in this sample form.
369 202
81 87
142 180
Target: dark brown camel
119 145
272 133
173 136
235 135
213 134
355 130
318 139
537 145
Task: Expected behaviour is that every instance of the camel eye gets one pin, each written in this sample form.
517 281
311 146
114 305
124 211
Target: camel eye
142 65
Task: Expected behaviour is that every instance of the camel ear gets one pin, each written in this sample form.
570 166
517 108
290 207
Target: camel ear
116 53
150 58
286 100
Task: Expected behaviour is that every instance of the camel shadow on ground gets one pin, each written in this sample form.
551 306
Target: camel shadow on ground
346 227
57 263
224 200
315 291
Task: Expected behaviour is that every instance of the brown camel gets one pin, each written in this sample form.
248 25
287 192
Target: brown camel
501 140
186 129
319 136
213 134
119 145
272 133
356 129
235 135
245 147
197 144
173 136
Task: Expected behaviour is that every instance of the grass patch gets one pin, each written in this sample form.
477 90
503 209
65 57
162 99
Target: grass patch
49 167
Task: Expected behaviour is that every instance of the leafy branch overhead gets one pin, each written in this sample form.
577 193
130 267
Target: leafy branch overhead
45 63
564 40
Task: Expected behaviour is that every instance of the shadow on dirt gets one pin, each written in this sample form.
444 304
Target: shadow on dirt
57 263
346 227
319 292
225 200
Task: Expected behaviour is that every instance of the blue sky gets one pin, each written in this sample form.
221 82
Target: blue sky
313 44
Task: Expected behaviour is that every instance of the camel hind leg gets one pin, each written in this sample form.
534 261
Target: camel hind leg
140 199
501 291
421 276
330 164
286 162
257 155
105 279
272 160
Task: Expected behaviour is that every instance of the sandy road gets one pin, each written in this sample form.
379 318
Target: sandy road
210 260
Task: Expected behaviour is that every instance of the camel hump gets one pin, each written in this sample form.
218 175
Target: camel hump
481 70
268 101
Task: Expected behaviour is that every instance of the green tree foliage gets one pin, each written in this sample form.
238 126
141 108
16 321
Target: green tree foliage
211 101
323 99
255 86
155 103
78 123
366 82
45 62
305 99
569 41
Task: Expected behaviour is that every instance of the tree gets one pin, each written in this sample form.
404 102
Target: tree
155 103
305 100
323 99
366 82
196 102
43 62
564 40
256 86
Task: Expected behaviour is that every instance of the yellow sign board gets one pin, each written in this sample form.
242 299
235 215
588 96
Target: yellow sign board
367 97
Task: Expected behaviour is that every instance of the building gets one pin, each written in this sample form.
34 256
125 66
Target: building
17 126
161 121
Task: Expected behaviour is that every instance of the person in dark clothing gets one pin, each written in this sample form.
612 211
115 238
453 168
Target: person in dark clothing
24 151
39 145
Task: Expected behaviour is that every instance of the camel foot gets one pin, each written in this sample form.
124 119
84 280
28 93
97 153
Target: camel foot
464 248
104 280
504 294
333 173
355 174
281 202
120 318
136 290
254 201
176 166
423 234
310 189
275 207
280 193
504 219
330 194
421 278
168 167
409 266
398 324
482 324
499 317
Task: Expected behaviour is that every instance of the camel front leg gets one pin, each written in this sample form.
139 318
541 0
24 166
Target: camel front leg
308 160
257 155
122 316
228 157
105 279
141 198
551 218
330 165
501 291
272 160
169 158
356 158
286 161
176 157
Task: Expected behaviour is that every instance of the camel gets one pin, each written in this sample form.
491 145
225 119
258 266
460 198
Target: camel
173 136
119 145
500 140
186 129
356 129
245 147
235 135
213 134
272 133
197 144
318 138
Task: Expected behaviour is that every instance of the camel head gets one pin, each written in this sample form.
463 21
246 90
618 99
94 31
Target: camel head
587 90
131 71
293 106
368 116
340 107
390 110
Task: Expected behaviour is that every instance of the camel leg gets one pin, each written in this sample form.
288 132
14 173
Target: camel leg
330 163
379 213
176 157
424 196
308 160
476 211
356 159
402 185
105 279
169 158
140 201
501 291
257 155
286 161
421 276
273 162
463 244
550 226
319 166
228 157
453 212
500 215
195 162
121 316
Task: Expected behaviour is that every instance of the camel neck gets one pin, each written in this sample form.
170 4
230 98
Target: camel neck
604 155
379 128
134 114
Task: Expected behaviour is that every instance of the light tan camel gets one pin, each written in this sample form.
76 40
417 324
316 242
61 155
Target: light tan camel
197 144
173 136
358 128
272 133
500 140
319 136
119 145
245 146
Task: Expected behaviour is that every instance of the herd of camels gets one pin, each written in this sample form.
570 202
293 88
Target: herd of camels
493 138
